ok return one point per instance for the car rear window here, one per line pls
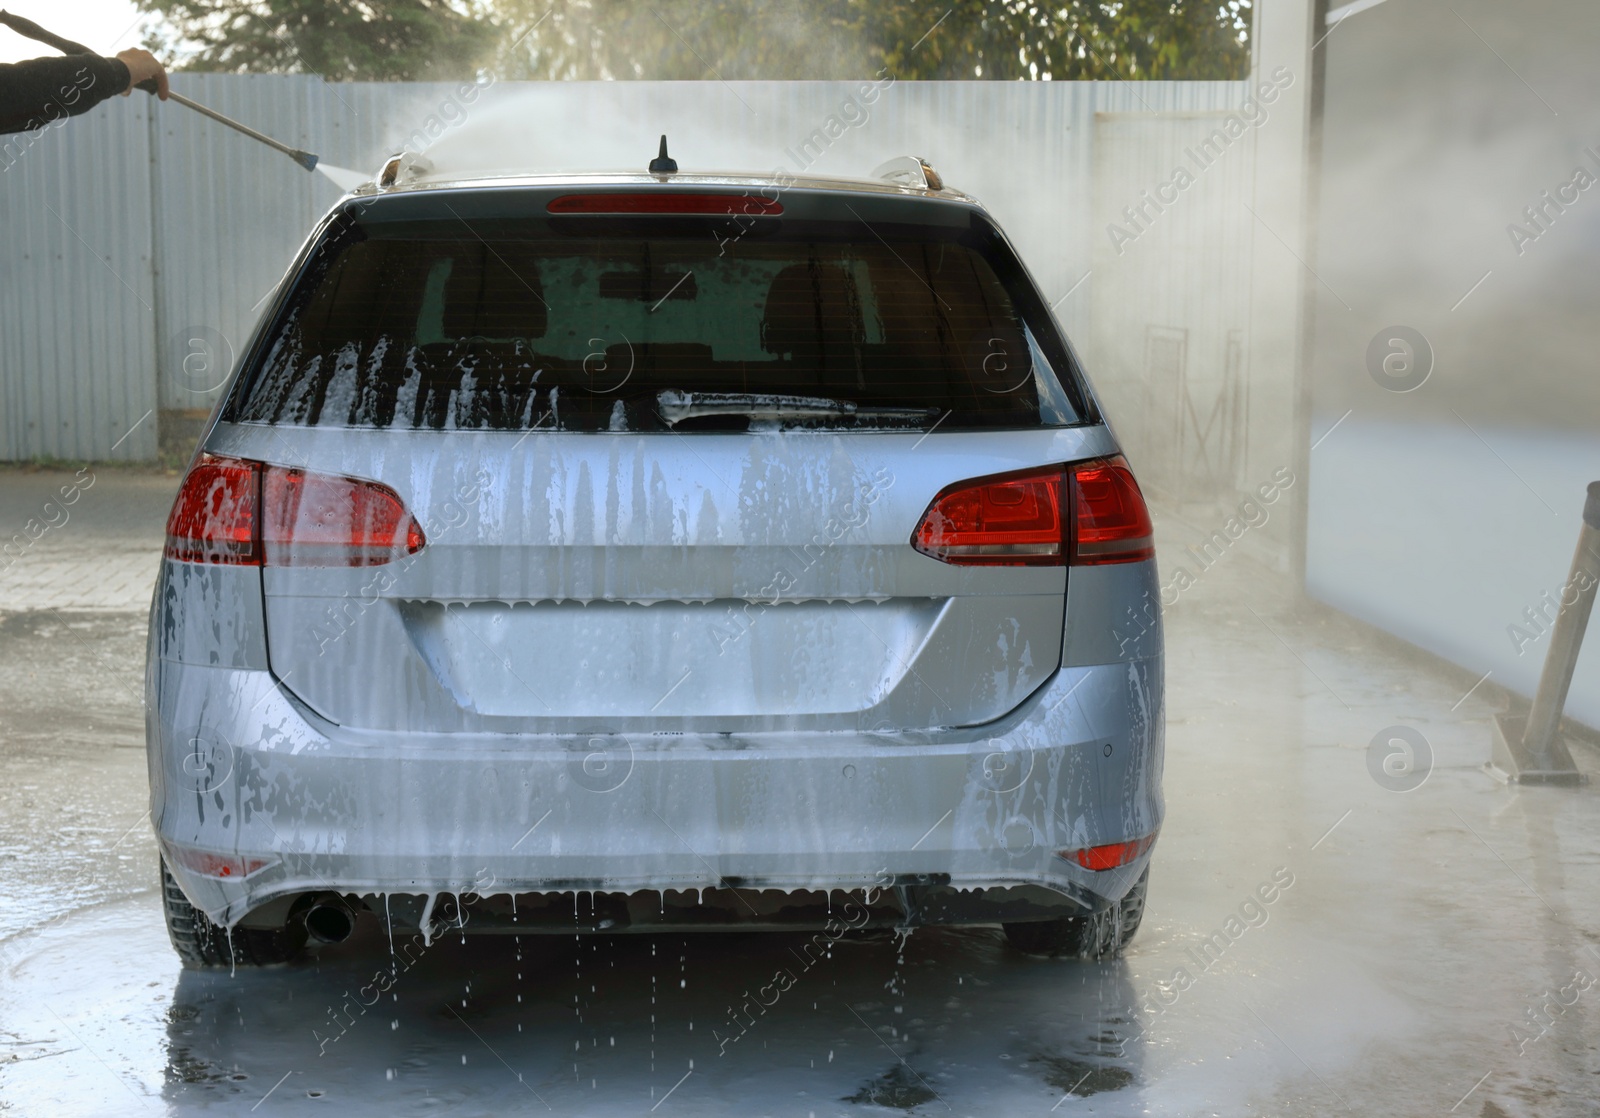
(651, 323)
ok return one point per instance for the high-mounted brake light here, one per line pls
(1111, 856)
(666, 203)
(241, 512)
(1083, 514)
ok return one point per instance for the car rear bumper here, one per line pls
(241, 771)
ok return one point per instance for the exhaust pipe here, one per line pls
(329, 923)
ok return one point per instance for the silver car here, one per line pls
(655, 551)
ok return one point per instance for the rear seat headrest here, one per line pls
(812, 308)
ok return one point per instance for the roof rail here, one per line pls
(403, 165)
(910, 170)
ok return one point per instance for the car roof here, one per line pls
(445, 181)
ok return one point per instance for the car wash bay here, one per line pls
(1323, 936)
(1318, 938)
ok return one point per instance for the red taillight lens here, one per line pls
(1111, 856)
(215, 517)
(1110, 523)
(313, 520)
(665, 202)
(1080, 515)
(233, 510)
(1009, 520)
(207, 864)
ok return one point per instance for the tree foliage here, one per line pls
(1076, 40)
(340, 40)
(709, 39)
(1009, 39)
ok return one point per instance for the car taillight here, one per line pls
(1113, 855)
(1008, 520)
(314, 520)
(207, 864)
(237, 511)
(1110, 523)
(1079, 515)
(214, 519)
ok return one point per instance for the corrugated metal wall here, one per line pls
(138, 243)
(77, 290)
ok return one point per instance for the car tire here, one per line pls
(1102, 935)
(201, 943)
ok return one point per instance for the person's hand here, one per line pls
(142, 66)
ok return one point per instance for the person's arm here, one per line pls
(44, 90)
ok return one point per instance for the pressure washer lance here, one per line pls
(66, 46)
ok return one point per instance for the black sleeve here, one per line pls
(43, 90)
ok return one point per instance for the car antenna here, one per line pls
(663, 164)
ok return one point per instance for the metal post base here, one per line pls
(1514, 763)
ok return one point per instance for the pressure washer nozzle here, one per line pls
(305, 159)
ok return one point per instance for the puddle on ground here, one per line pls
(899, 1087)
(183, 1066)
(1082, 1078)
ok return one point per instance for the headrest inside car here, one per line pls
(812, 308)
(495, 294)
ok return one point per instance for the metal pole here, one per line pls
(1299, 509)
(1577, 600)
(304, 158)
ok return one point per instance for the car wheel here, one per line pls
(1100, 936)
(200, 943)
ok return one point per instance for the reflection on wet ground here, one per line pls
(582, 1025)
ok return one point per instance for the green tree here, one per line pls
(1075, 40)
(684, 39)
(707, 39)
(952, 39)
(367, 40)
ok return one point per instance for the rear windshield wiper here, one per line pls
(675, 406)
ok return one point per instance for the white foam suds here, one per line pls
(388, 922)
(427, 919)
